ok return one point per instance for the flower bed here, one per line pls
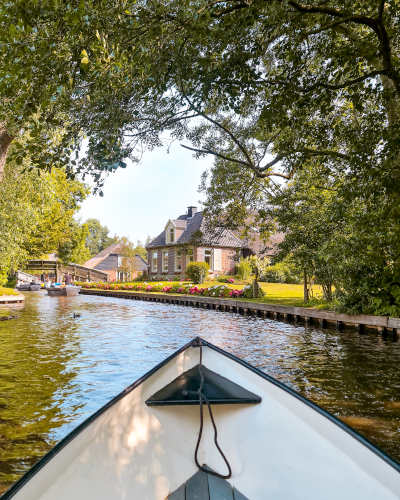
(217, 291)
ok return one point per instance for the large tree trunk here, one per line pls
(5, 141)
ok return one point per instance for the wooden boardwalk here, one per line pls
(382, 323)
(76, 270)
(12, 299)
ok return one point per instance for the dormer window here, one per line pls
(171, 235)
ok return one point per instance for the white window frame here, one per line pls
(210, 255)
(154, 258)
(189, 256)
(164, 254)
(178, 254)
(217, 259)
(171, 231)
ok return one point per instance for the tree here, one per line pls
(97, 238)
(36, 214)
(140, 68)
(45, 88)
(140, 248)
(73, 248)
(128, 263)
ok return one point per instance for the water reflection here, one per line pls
(56, 370)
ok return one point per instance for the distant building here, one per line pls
(109, 260)
(173, 249)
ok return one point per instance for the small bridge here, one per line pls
(27, 278)
(77, 271)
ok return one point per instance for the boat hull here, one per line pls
(67, 291)
(28, 288)
(283, 448)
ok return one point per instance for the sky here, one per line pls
(139, 200)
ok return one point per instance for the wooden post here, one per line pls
(305, 287)
(255, 284)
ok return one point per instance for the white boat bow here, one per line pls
(141, 445)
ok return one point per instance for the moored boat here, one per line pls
(157, 439)
(62, 291)
(29, 287)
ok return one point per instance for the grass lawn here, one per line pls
(7, 291)
(277, 293)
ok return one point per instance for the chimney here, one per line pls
(191, 211)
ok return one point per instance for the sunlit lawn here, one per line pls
(277, 293)
(7, 291)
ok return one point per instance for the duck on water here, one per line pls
(206, 425)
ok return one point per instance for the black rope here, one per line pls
(203, 397)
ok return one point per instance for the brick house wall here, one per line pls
(227, 261)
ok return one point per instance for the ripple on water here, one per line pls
(57, 370)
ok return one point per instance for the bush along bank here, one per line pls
(180, 288)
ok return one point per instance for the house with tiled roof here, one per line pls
(178, 244)
(109, 260)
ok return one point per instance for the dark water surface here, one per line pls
(55, 370)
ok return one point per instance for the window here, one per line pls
(178, 261)
(189, 256)
(171, 235)
(208, 257)
(217, 259)
(154, 262)
(165, 261)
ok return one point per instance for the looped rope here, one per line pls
(203, 397)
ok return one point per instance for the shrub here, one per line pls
(261, 264)
(248, 292)
(11, 281)
(197, 271)
(282, 272)
(144, 275)
(222, 278)
(244, 270)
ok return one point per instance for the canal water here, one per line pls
(56, 370)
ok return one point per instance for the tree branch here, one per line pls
(271, 163)
(327, 26)
(257, 171)
(323, 152)
(210, 152)
(243, 150)
(381, 10)
(305, 90)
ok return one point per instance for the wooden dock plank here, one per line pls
(179, 494)
(197, 487)
(238, 496)
(219, 489)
